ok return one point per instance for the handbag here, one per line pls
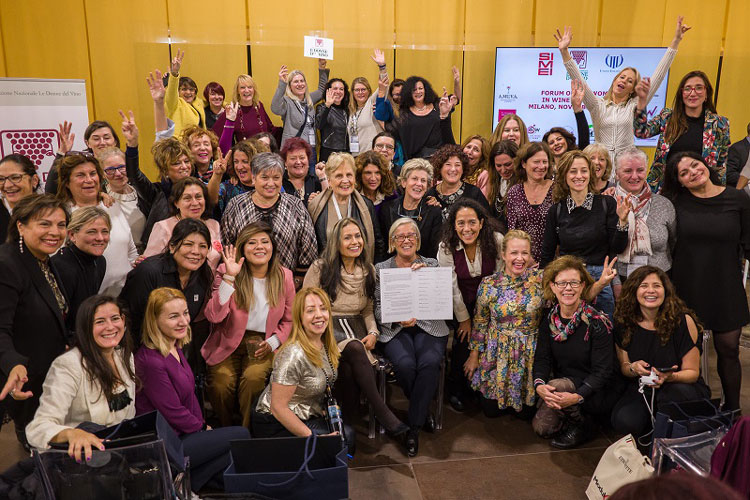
(349, 327)
(687, 418)
(293, 468)
(621, 464)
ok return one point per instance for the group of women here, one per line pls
(573, 271)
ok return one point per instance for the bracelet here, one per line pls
(630, 367)
(323, 179)
(622, 227)
(381, 67)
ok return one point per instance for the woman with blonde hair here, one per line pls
(601, 163)
(362, 125)
(612, 116)
(293, 102)
(477, 149)
(342, 200)
(250, 309)
(304, 371)
(244, 117)
(168, 386)
(511, 127)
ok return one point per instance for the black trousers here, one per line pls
(416, 357)
(209, 454)
(458, 385)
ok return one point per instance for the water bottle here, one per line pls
(333, 410)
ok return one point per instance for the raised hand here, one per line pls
(624, 207)
(65, 141)
(564, 39)
(576, 95)
(456, 74)
(283, 73)
(681, 29)
(322, 63)
(643, 87)
(155, 82)
(383, 83)
(129, 128)
(320, 170)
(231, 110)
(446, 105)
(329, 98)
(379, 57)
(177, 62)
(229, 256)
(220, 164)
(609, 272)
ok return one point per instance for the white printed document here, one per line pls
(425, 294)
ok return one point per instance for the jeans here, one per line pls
(209, 454)
(605, 301)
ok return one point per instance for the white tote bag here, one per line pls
(621, 464)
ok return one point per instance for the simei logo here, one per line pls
(545, 63)
(580, 57)
(615, 61)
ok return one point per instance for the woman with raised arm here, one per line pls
(362, 125)
(244, 117)
(424, 123)
(691, 125)
(295, 104)
(331, 118)
(183, 104)
(612, 115)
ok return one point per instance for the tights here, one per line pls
(727, 345)
(355, 374)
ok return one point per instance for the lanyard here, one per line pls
(338, 211)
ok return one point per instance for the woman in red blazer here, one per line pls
(251, 312)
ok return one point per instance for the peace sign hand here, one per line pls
(220, 165)
(129, 128)
(177, 62)
(231, 110)
(609, 272)
(156, 85)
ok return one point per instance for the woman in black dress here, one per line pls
(450, 164)
(713, 234)
(654, 331)
(424, 119)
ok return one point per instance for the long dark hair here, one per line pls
(677, 123)
(330, 269)
(345, 100)
(95, 364)
(486, 238)
(182, 230)
(671, 312)
(570, 139)
(504, 147)
(407, 101)
(672, 186)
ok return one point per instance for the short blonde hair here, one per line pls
(84, 215)
(152, 336)
(514, 234)
(248, 80)
(336, 160)
(397, 224)
(600, 150)
(416, 164)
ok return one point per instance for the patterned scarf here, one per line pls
(560, 331)
(639, 238)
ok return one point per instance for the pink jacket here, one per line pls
(229, 322)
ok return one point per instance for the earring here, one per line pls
(20, 244)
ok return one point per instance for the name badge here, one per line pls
(195, 298)
(311, 138)
(353, 144)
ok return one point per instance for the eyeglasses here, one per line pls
(13, 178)
(359, 91)
(110, 171)
(402, 237)
(699, 89)
(562, 285)
(387, 147)
(86, 154)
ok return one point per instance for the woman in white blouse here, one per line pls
(92, 382)
(612, 115)
(362, 126)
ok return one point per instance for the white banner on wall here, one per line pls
(30, 112)
(534, 84)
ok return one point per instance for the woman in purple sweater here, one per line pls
(167, 385)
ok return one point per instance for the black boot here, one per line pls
(412, 442)
(573, 434)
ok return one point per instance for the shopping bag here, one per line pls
(289, 468)
(621, 464)
(687, 418)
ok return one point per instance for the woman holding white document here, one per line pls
(415, 347)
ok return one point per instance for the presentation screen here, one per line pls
(534, 84)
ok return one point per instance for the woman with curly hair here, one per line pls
(374, 179)
(450, 164)
(655, 334)
(560, 141)
(424, 119)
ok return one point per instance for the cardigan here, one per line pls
(613, 127)
(436, 328)
(168, 386)
(367, 125)
(162, 233)
(715, 143)
(290, 112)
(70, 398)
(229, 321)
(182, 113)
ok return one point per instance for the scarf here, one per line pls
(639, 239)
(560, 331)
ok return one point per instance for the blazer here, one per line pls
(70, 398)
(161, 233)
(32, 327)
(229, 321)
(715, 143)
(736, 159)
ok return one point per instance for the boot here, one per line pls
(575, 431)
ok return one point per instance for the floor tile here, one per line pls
(395, 482)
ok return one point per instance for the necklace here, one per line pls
(418, 216)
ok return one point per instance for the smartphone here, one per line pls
(667, 369)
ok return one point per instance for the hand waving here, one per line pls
(329, 98)
(564, 39)
(624, 207)
(379, 57)
(65, 142)
(177, 62)
(446, 105)
(229, 256)
(576, 95)
(283, 73)
(155, 82)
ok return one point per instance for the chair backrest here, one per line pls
(137, 472)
